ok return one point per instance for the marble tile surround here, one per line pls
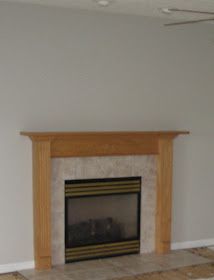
(103, 167)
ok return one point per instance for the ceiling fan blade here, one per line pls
(190, 11)
(188, 22)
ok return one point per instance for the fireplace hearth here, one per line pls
(102, 217)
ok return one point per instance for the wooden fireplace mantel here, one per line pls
(47, 145)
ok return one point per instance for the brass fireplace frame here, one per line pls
(87, 188)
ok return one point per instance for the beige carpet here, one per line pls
(11, 276)
(204, 271)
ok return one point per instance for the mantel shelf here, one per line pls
(68, 134)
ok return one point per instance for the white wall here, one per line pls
(64, 70)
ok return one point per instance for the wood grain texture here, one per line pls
(164, 195)
(42, 204)
(104, 145)
(83, 144)
(65, 134)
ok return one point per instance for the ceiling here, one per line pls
(135, 7)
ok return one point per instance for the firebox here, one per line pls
(102, 218)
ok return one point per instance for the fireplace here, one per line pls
(48, 145)
(102, 217)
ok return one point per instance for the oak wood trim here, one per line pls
(42, 204)
(67, 134)
(164, 195)
(82, 144)
(104, 145)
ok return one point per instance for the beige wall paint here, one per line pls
(64, 70)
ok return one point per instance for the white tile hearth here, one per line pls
(118, 267)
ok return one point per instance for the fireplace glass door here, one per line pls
(102, 217)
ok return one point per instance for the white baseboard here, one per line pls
(11, 267)
(192, 244)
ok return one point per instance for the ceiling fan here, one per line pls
(170, 10)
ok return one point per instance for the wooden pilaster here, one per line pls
(164, 194)
(42, 205)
